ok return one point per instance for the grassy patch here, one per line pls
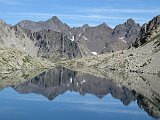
(26, 59)
(25, 76)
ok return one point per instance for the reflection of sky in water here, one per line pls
(14, 106)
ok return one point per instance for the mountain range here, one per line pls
(142, 57)
(101, 38)
(54, 40)
(46, 38)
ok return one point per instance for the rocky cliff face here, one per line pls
(147, 32)
(123, 36)
(127, 31)
(53, 39)
(94, 38)
(16, 38)
(54, 45)
(102, 38)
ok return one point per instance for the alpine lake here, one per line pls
(64, 94)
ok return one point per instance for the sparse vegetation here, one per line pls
(26, 59)
(12, 59)
(159, 74)
(25, 76)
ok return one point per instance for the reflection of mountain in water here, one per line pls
(57, 81)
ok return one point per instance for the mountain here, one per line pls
(9, 37)
(123, 36)
(17, 51)
(127, 31)
(97, 39)
(52, 24)
(144, 59)
(53, 39)
(147, 32)
(94, 38)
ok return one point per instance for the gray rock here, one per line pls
(53, 39)
(94, 38)
(146, 31)
(123, 36)
(52, 24)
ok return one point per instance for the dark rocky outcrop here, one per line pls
(151, 107)
(128, 31)
(147, 31)
(94, 38)
(53, 39)
(54, 45)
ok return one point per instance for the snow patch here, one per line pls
(85, 38)
(83, 81)
(80, 34)
(71, 80)
(72, 38)
(94, 53)
(70, 33)
(77, 83)
(122, 38)
(124, 41)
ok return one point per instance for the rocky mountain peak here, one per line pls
(3, 23)
(128, 30)
(130, 22)
(147, 31)
(25, 23)
(104, 25)
(57, 25)
(55, 20)
(85, 26)
(153, 23)
(122, 36)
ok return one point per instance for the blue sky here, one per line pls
(79, 12)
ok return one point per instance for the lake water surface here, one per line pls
(63, 94)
